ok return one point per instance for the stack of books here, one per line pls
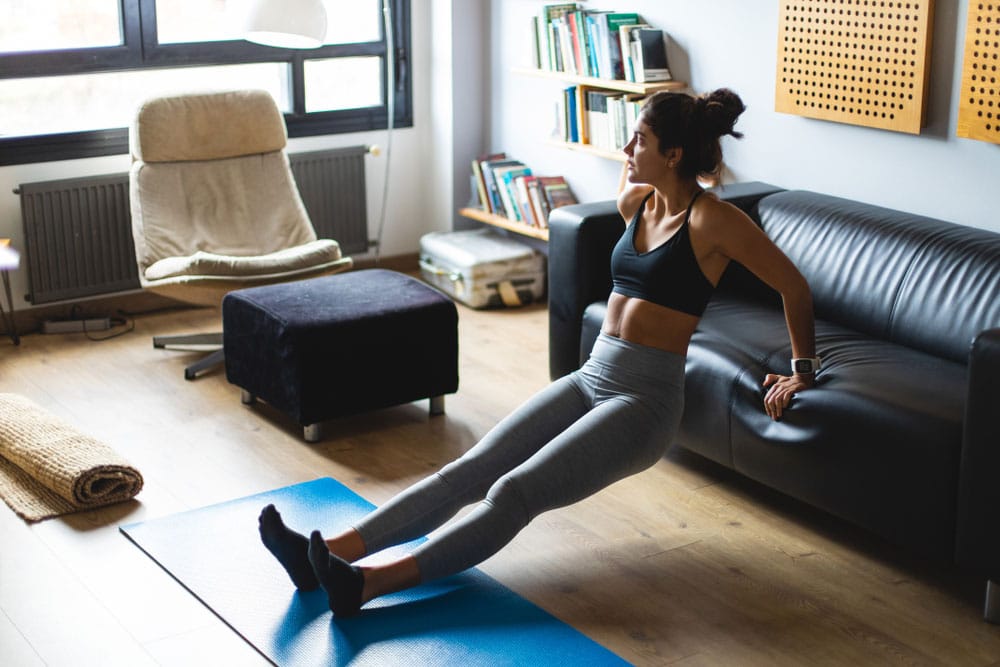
(601, 118)
(599, 43)
(506, 187)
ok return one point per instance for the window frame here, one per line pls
(141, 50)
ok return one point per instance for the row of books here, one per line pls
(506, 187)
(602, 118)
(599, 43)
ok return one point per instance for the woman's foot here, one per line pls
(343, 582)
(290, 548)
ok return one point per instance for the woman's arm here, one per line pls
(630, 198)
(737, 238)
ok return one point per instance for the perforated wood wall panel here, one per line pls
(864, 62)
(979, 105)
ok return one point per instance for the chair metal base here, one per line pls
(991, 610)
(204, 342)
(437, 406)
(201, 341)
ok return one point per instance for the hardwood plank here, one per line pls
(16, 649)
(58, 617)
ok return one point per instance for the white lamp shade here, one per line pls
(294, 24)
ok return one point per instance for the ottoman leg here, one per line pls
(437, 405)
(311, 432)
(246, 398)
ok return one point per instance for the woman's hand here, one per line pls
(782, 389)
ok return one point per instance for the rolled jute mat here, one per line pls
(49, 468)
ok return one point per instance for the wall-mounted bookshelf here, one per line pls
(607, 84)
(505, 223)
(590, 150)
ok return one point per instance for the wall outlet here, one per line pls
(75, 326)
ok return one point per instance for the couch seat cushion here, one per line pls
(885, 421)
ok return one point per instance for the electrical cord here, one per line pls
(390, 103)
(115, 322)
(75, 314)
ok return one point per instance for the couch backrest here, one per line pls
(921, 282)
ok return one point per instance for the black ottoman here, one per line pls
(338, 345)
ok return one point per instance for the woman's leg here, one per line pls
(429, 503)
(616, 439)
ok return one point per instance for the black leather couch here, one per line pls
(902, 433)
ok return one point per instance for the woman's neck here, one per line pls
(674, 195)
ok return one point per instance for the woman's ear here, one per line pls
(673, 156)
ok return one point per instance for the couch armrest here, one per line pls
(745, 195)
(977, 541)
(581, 238)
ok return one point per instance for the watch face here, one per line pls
(803, 366)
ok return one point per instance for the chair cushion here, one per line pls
(210, 264)
(243, 206)
(207, 126)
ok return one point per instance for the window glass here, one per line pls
(52, 25)
(52, 105)
(343, 83)
(174, 22)
(347, 22)
(353, 22)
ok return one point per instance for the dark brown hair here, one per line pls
(694, 124)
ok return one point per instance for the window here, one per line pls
(73, 71)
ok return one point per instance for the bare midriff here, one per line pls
(646, 323)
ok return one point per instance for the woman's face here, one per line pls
(645, 163)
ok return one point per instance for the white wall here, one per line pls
(733, 43)
(415, 204)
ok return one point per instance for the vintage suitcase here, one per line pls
(482, 268)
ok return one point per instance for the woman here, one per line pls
(612, 418)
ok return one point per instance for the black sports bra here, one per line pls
(668, 275)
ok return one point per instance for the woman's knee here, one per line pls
(507, 498)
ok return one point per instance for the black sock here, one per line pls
(290, 548)
(342, 581)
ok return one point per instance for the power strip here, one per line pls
(76, 326)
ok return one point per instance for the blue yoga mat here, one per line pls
(469, 619)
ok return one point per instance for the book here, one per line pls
(597, 118)
(492, 186)
(579, 106)
(556, 191)
(569, 104)
(550, 51)
(613, 48)
(538, 203)
(650, 57)
(625, 43)
(480, 181)
(577, 37)
(504, 177)
(538, 61)
(523, 200)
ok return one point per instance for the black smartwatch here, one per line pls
(806, 365)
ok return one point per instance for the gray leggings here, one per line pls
(612, 418)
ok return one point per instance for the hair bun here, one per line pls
(719, 111)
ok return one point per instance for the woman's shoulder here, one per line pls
(631, 199)
(714, 216)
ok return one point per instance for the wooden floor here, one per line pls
(685, 564)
